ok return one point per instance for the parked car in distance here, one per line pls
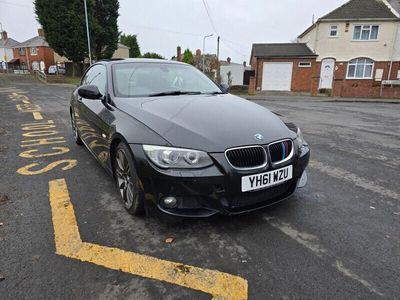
(173, 138)
(61, 70)
(53, 70)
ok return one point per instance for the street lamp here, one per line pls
(4, 56)
(204, 45)
(87, 32)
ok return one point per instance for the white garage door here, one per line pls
(277, 76)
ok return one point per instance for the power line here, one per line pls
(239, 45)
(209, 16)
(233, 48)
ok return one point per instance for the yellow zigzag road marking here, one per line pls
(68, 243)
(37, 115)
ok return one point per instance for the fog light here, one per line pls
(303, 180)
(170, 202)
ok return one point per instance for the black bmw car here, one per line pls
(173, 138)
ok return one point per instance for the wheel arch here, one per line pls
(115, 141)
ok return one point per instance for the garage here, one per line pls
(277, 76)
(282, 67)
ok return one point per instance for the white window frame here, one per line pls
(356, 62)
(33, 52)
(304, 64)
(331, 29)
(365, 27)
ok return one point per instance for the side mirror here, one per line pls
(225, 87)
(89, 92)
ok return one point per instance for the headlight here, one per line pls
(176, 158)
(300, 139)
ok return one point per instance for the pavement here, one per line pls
(279, 96)
(337, 238)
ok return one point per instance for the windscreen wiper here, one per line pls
(173, 93)
(217, 93)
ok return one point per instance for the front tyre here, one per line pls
(127, 180)
(77, 138)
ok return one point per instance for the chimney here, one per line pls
(178, 53)
(40, 32)
(4, 35)
(244, 64)
(198, 52)
(228, 60)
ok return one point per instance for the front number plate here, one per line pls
(263, 180)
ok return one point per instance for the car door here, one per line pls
(95, 118)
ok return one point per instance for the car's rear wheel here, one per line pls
(127, 180)
(77, 138)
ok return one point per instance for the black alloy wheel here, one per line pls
(77, 138)
(127, 180)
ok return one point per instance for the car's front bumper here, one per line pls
(216, 189)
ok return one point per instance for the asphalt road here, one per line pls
(337, 238)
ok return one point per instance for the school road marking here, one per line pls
(68, 243)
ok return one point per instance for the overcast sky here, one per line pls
(161, 25)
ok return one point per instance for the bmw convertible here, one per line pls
(173, 139)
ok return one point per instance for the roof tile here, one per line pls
(282, 50)
(361, 9)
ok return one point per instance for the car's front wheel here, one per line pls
(77, 138)
(127, 180)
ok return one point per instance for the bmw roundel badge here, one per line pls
(259, 136)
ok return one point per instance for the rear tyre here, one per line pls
(77, 138)
(127, 180)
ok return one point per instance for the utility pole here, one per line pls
(204, 46)
(87, 32)
(219, 66)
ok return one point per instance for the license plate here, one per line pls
(263, 180)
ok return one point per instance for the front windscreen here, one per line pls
(150, 79)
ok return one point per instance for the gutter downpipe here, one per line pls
(393, 47)
(27, 57)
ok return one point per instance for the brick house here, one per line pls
(282, 67)
(358, 47)
(6, 52)
(35, 53)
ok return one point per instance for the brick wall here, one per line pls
(359, 88)
(301, 77)
(252, 85)
(307, 79)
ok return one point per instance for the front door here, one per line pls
(327, 69)
(94, 118)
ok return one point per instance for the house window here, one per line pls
(33, 51)
(304, 64)
(21, 51)
(360, 68)
(334, 31)
(365, 32)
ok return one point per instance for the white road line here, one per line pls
(312, 243)
(365, 153)
(355, 179)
